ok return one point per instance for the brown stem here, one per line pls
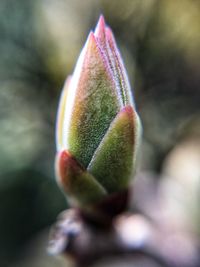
(128, 235)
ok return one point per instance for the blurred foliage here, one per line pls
(39, 44)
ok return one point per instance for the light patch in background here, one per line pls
(21, 127)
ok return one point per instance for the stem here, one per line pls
(87, 242)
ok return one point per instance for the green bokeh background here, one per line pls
(39, 44)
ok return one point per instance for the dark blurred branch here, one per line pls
(129, 235)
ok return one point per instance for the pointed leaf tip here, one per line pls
(100, 28)
(101, 22)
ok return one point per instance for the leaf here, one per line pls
(120, 71)
(61, 114)
(80, 186)
(113, 161)
(92, 104)
(109, 47)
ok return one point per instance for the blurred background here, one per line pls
(39, 44)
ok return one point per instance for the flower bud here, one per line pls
(98, 129)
